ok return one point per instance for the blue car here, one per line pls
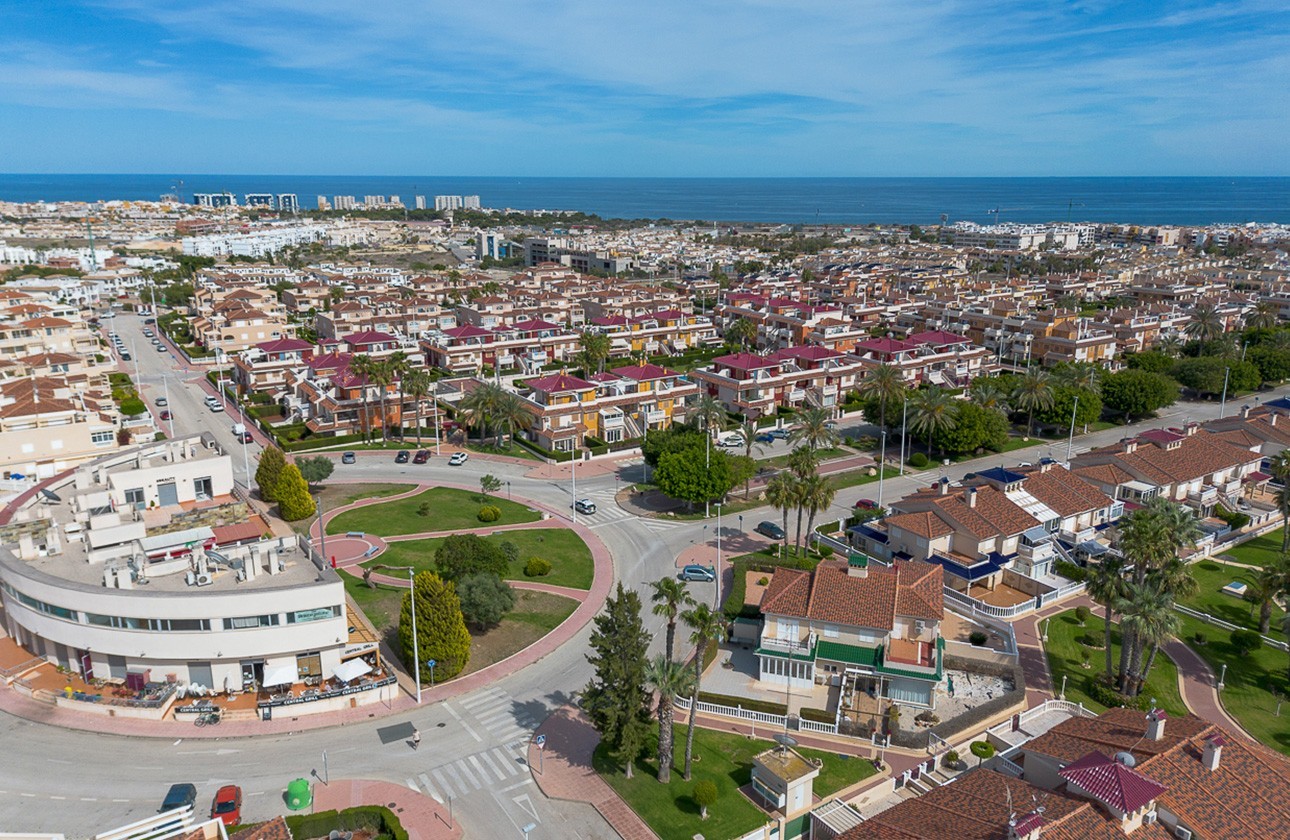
(699, 573)
(765, 437)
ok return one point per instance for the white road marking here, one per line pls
(429, 788)
(465, 771)
(443, 782)
(496, 770)
(457, 716)
(518, 785)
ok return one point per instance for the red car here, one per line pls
(227, 806)
(166, 415)
(866, 504)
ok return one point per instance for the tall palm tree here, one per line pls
(594, 351)
(510, 412)
(1283, 504)
(814, 429)
(817, 495)
(669, 679)
(709, 413)
(1265, 316)
(707, 626)
(1106, 586)
(932, 411)
(383, 376)
(749, 431)
(363, 366)
(397, 364)
(781, 493)
(670, 597)
(1269, 583)
(1153, 621)
(417, 385)
(886, 384)
(1034, 393)
(988, 393)
(1171, 345)
(476, 408)
(742, 332)
(1206, 324)
(1080, 376)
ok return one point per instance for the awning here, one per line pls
(1256, 477)
(280, 675)
(351, 670)
(1093, 549)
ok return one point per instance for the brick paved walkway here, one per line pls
(1198, 687)
(421, 816)
(567, 773)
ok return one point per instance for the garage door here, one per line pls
(167, 494)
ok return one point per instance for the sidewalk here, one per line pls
(1198, 687)
(564, 771)
(421, 816)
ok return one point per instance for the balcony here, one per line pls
(788, 647)
(658, 415)
(1204, 496)
(1034, 554)
(611, 418)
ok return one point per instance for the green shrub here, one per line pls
(132, 406)
(982, 749)
(489, 513)
(537, 567)
(1081, 615)
(817, 715)
(978, 638)
(371, 818)
(424, 509)
(705, 796)
(918, 460)
(1070, 570)
(1246, 641)
(952, 757)
(1199, 638)
(1109, 697)
(766, 706)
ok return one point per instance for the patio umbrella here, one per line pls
(351, 670)
(280, 675)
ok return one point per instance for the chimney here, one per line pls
(1190, 428)
(858, 565)
(1156, 724)
(1245, 412)
(944, 486)
(1213, 752)
(971, 497)
(1130, 445)
(1273, 420)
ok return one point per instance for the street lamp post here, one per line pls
(717, 581)
(322, 532)
(904, 428)
(573, 478)
(165, 384)
(1062, 696)
(1044, 637)
(1222, 406)
(416, 642)
(882, 464)
(1221, 674)
(1070, 441)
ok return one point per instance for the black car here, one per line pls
(423, 455)
(401, 457)
(179, 796)
(770, 529)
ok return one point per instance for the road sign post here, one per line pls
(540, 741)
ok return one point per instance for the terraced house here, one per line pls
(874, 627)
(759, 386)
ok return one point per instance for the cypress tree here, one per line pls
(294, 501)
(269, 471)
(617, 699)
(441, 628)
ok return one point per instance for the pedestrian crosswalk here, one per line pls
(489, 769)
(500, 716)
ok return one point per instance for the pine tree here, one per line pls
(441, 628)
(269, 471)
(292, 493)
(617, 699)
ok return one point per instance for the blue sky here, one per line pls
(664, 87)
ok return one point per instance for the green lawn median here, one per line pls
(569, 556)
(436, 509)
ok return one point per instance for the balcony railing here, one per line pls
(797, 646)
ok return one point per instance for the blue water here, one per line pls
(1143, 201)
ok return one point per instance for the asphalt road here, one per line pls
(77, 783)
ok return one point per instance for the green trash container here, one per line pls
(300, 795)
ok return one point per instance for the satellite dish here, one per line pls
(786, 741)
(50, 495)
(1126, 758)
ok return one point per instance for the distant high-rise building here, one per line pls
(470, 202)
(394, 199)
(224, 199)
(490, 244)
(447, 202)
(287, 203)
(259, 200)
(344, 202)
(421, 202)
(373, 200)
(323, 203)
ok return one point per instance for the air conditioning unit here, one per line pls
(1149, 818)
(204, 580)
(1182, 833)
(920, 626)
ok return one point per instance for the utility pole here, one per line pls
(416, 642)
(717, 580)
(882, 465)
(1070, 441)
(1222, 406)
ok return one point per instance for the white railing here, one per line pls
(1071, 588)
(732, 711)
(1004, 765)
(815, 726)
(1227, 625)
(981, 608)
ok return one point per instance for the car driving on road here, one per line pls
(457, 459)
(699, 573)
(402, 457)
(770, 529)
(348, 458)
(585, 506)
(422, 456)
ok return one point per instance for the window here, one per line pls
(248, 622)
(319, 614)
(830, 632)
(135, 498)
(102, 438)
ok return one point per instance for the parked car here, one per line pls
(166, 415)
(770, 529)
(402, 457)
(764, 437)
(457, 459)
(866, 504)
(161, 348)
(423, 455)
(699, 573)
(730, 439)
(147, 333)
(584, 506)
(162, 401)
(179, 796)
(150, 320)
(215, 406)
(348, 458)
(125, 357)
(779, 434)
(227, 806)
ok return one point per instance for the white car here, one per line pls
(457, 459)
(215, 407)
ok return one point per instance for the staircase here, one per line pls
(45, 696)
(633, 428)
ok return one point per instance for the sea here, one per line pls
(834, 201)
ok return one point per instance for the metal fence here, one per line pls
(1227, 625)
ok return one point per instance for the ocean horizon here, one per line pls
(823, 200)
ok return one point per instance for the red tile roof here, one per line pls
(912, 589)
(744, 361)
(645, 373)
(1119, 786)
(558, 383)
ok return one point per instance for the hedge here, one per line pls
(1109, 697)
(817, 715)
(748, 703)
(373, 818)
(974, 717)
(545, 453)
(1070, 570)
(271, 410)
(320, 442)
(734, 606)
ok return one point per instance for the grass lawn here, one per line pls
(535, 615)
(1259, 551)
(1249, 683)
(510, 450)
(381, 605)
(854, 478)
(450, 509)
(724, 759)
(338, 495)
(781, 461)
(1212, 577)
(571, 563)
(737, 504)
(1064, 659)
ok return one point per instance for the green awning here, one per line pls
(848, 654)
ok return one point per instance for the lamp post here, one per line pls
(904, 428)
(1221, 674)
(882, 464)
(573, 478)
(322, 532)
(1062, 696)
(508, 490)
(1044, 637)
(1070, 441)
(716, 601)
(165, 384)
(1222, 406)
(416, 642)
(326, 774)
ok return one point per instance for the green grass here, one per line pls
(380, 605)
(822, 455)
(1260, 551)
(571, 563)
(1248, 684)
(737, 504)
(1211, 577)
(726, 761)
(510, 451)
(1064, 659)
(855, 478)
(450, 509)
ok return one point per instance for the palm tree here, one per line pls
(417, 384)
(1154, 622)
(817, 494)
(669, 679)
(741, 332)
(1280, 466)
(362, 366)
(988, 393)
(1268, 585)
(932, 411)
(1170, 345)
(781, 493)
(1206, 324)
(1283, 504)
(476, 408)
(709, 412)
(1106, 586)
(886, 384)
(814, 429)
(383, 372)
(1265, 316)
(1034, 393)
(398, 368)
(707, 626)
(749, 431)
(1081, 376)
(670, 596)
(510, 412)
(594, 351)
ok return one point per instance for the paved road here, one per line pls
(78, 783)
